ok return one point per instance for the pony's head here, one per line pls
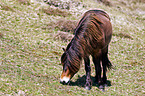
(67, 73)
(70, 68)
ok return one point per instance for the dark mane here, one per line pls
(88, 36)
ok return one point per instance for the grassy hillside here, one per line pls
(32, 36)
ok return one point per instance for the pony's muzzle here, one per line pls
(65, 80)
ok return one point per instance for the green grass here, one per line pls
(30, 56)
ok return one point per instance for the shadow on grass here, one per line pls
(82, 80)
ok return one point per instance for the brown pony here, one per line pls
(92, 36)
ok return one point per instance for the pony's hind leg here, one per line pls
(96, 60)
(88, 84)
(105, 63)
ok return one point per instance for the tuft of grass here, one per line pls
(6, 7)
(106, 2)
(67, 25)
(1, 35)
(64, 36)
(123, 35)
(55, 12)
(24, 2)
(64, 25)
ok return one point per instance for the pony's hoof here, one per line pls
(105, 85)
(88, 88)
(101, 87)
(102, 90)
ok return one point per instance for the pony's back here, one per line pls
(94, 30)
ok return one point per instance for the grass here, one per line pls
(30, 54)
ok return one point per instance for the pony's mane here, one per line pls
(88, 36)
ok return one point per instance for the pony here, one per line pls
(92, 37)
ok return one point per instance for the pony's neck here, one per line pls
(74, 58)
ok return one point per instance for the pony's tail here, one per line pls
(108, 65)
(106, 62)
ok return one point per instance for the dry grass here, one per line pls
(1, 35)
(122, 35)
(106, 2)
(55, 12)
(64, 25)
(67, 25)
(137, 1)
(25, 2)
(6, 7)
(64, 36)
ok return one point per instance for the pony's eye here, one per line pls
(62, 62)
(65, 68)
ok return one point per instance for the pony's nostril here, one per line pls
(62, 82)
(65, 83)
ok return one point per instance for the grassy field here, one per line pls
(30, 48)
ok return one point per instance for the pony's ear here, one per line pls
(64, 49)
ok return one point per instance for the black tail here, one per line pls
(108, 64)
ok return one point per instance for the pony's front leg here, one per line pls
(88, 84)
